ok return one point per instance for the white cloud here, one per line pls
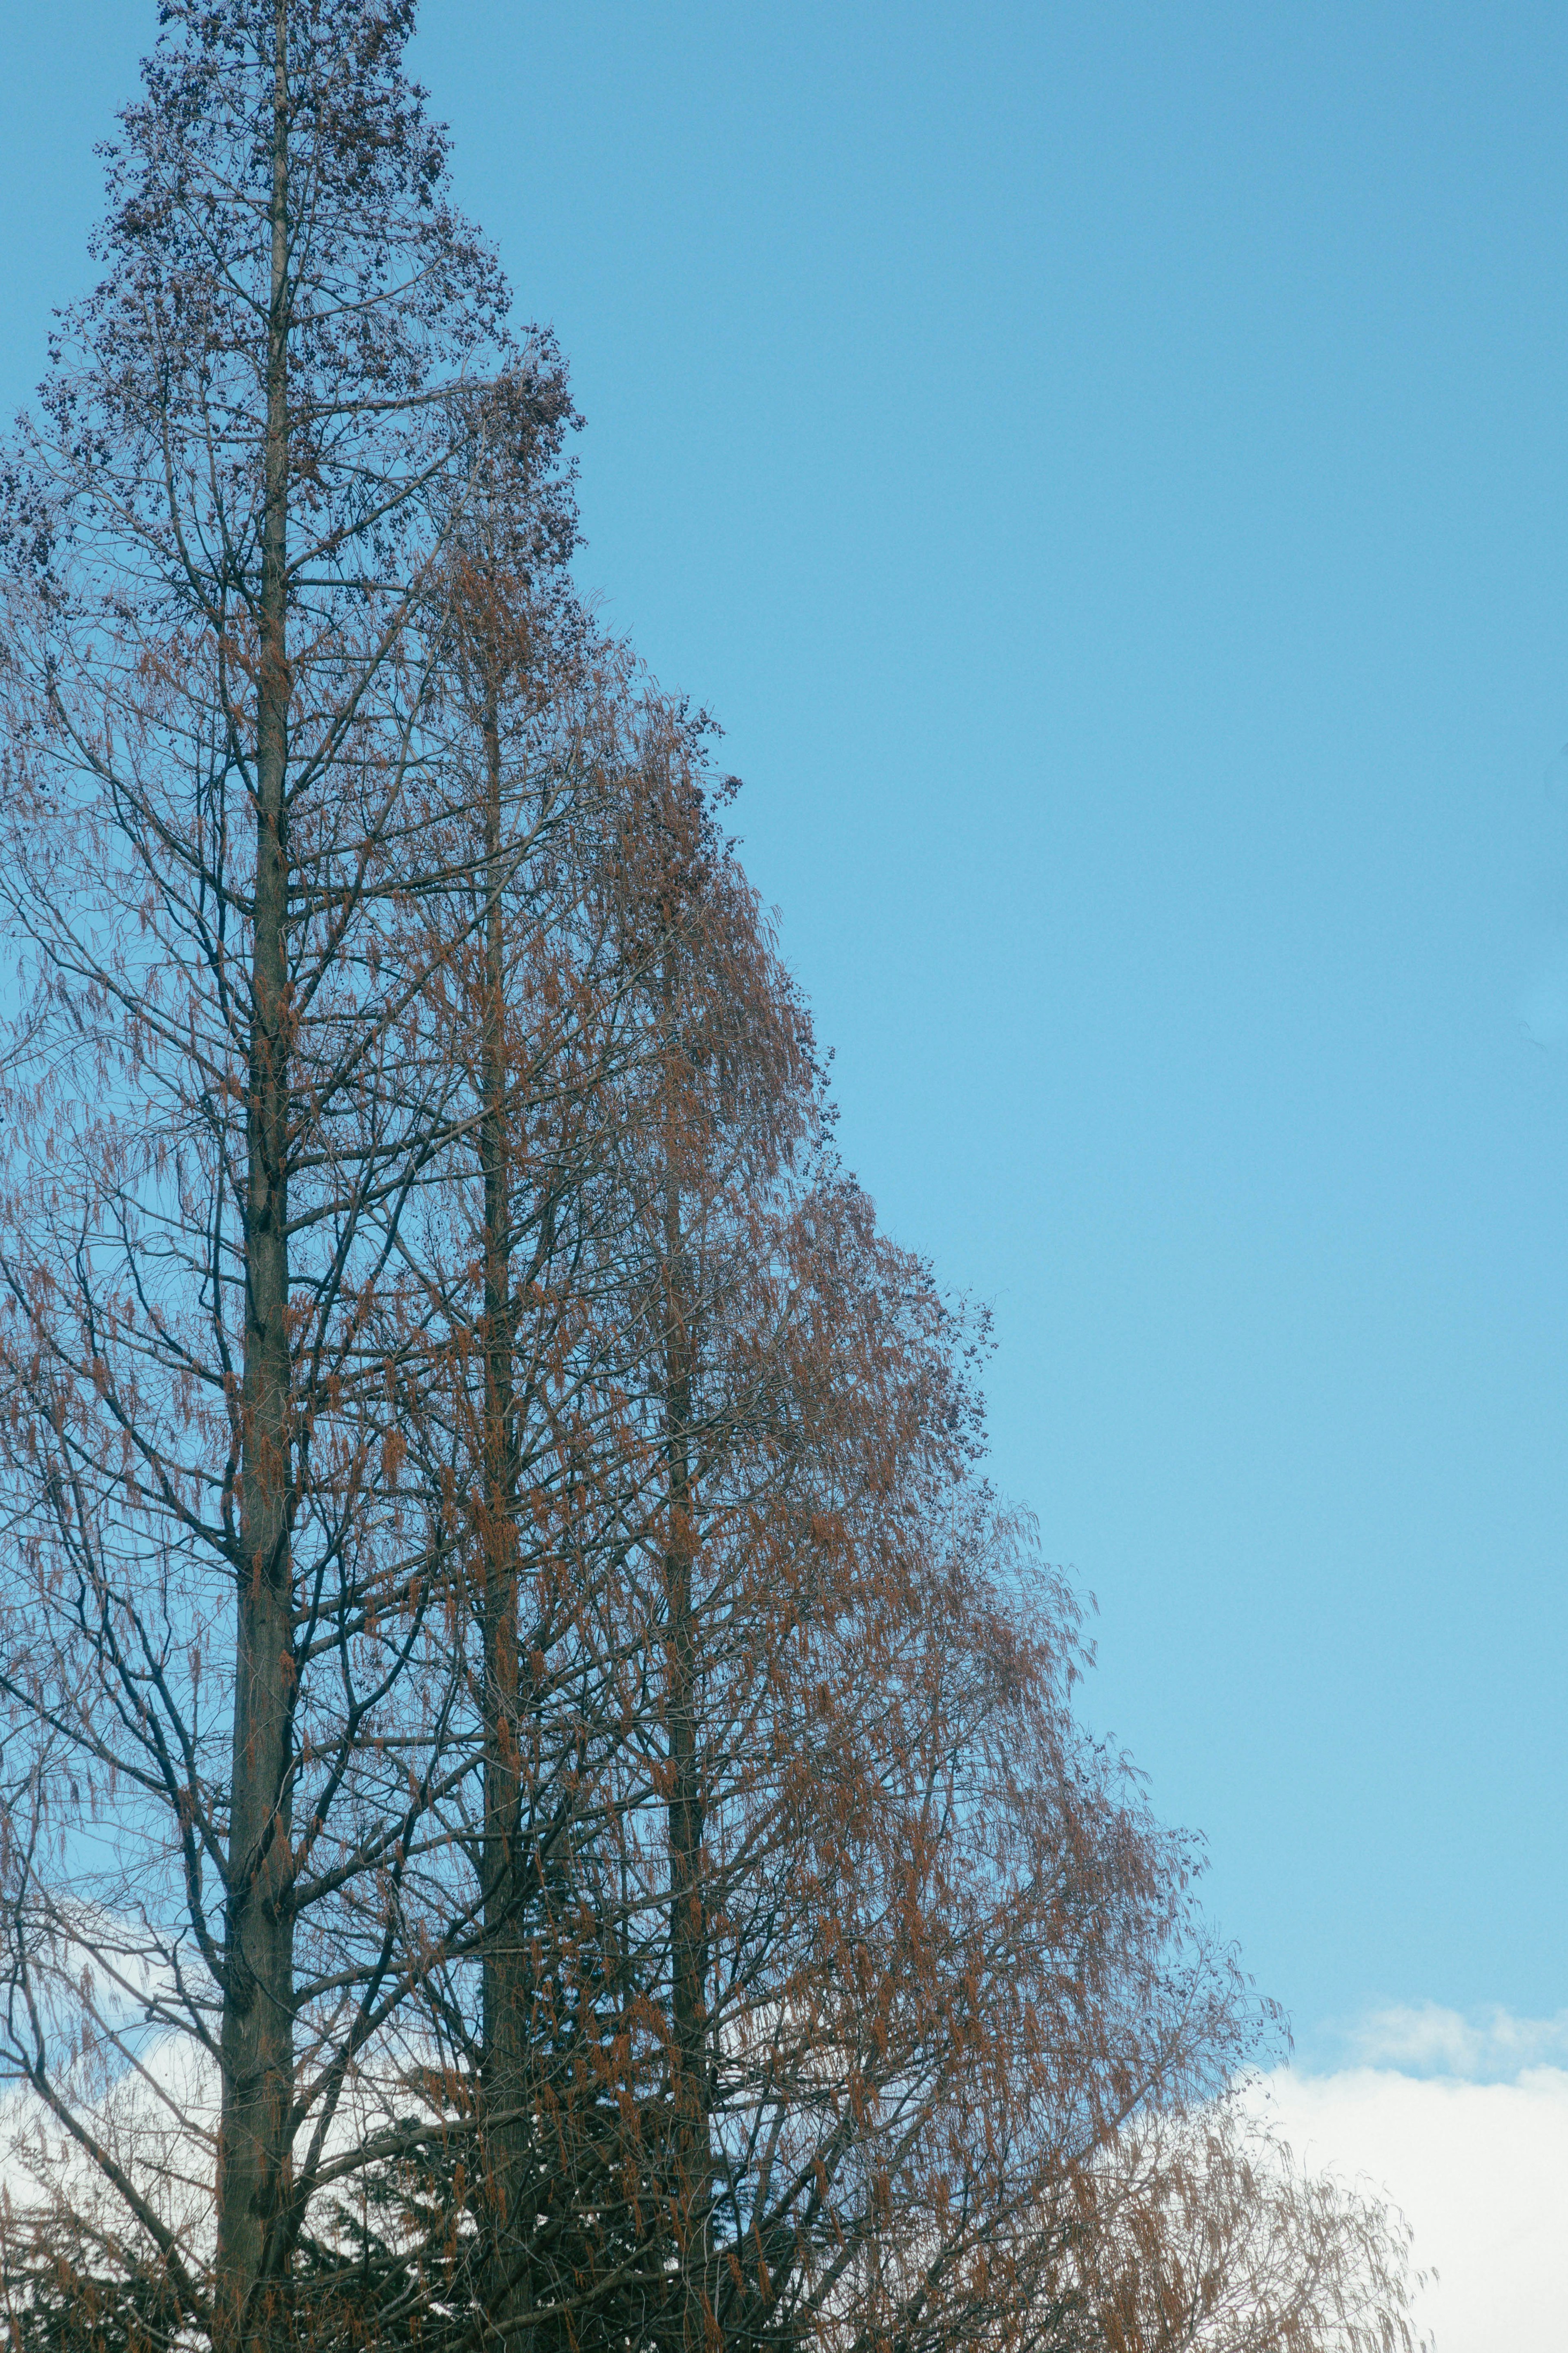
(1480, 2170)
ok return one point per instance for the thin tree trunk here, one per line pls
(256, 2031)
(687, 1911)
(506, 2086)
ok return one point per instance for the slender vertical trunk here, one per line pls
(506, 2086)
(687, 1909)
(257, 2029)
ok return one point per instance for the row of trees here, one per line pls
(541, 1805)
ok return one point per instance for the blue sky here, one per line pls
(1107, 467)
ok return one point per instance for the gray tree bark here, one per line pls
(257, 2035)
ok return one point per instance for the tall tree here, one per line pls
(899, 1957)
(227, 857)
(519, 1427)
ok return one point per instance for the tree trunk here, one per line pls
(256, 2031)
(688, 1910)
(506, 2085)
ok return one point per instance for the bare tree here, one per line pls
(227, 859)
(522, 1423)
(894, 1955)
(837, 1969)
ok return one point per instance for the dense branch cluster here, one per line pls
(541, 1803)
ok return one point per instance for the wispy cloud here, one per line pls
(1486, 2046)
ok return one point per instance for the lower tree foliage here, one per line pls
(1209, 2235)
(541, 1803)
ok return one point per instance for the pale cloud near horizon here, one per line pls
(1476, 2157)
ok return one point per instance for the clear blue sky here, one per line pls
(1108, 466)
